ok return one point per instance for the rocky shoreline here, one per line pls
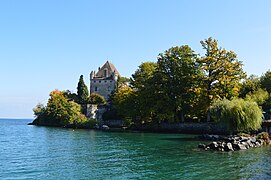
(233, 143)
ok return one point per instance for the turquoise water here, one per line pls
(30, 152)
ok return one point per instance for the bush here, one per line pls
(238, 114)
(265, 137)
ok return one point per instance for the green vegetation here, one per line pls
(96, 99)
(237, 114)
(181, 86)
(82, 91)
(184, 86)
(59, 112)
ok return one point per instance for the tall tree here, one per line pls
(82, 91)
(249, 85)
(266, 81)
(223, 72)
(178, 72)
(266, 84)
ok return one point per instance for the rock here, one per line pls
(213, 145)
(105, 127)
(250, 144)
(202, 146)
(241, 147)
(228, 147)
(243, 139)
(253, 139)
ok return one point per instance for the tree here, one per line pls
(222, 70)
(259, 96)
(39, 110)
(96, 99)
(123, 102)
(266, 81)
(237, 114)
(266, 84)
(82, 91)
(61, 112)
(178, 72)
(249, 85)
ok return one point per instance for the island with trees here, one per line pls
(181, 91)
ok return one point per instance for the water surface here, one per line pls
(30, 152)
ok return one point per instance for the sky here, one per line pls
(48, 44)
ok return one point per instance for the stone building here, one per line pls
(105, 80)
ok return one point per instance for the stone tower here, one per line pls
(105, 80)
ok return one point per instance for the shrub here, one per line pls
(237, 114)
(265, 137)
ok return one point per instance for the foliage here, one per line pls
(123, 101)
(140, 79)
(178, 71)
(243, 134)
(259, 96)
(222, 71)
(266, 84)
(237, 114)
(264, 136)
(90, 124)
(82, 91)
(96, 99)
(39, 110)
(59, 111)
(70, 96)
(266, 81)
(249, 85)
(123, 81)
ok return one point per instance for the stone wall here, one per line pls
(102, 87)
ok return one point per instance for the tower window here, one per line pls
(96, 89)
(105, 73)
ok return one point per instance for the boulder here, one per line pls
(213, 145)
(202, 146)
(228, 147)
(241, 146)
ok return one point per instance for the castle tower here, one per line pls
(105, 80)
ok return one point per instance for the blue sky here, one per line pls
(48, 44)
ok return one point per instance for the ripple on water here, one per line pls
(29, 152)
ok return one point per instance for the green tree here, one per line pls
(237, 114)
(266, 81)
(82, 91)
(60, 112)
(259, 96)
(178, 73)
(266, 84)
(223, 72)
(123, 102)
(39, 110)
(249, 85)
(148, 102)
(96, 99)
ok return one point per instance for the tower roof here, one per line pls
(110, 69)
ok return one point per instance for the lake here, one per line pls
(30, 152)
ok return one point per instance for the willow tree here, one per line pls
(238, 114)
(223, 72)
